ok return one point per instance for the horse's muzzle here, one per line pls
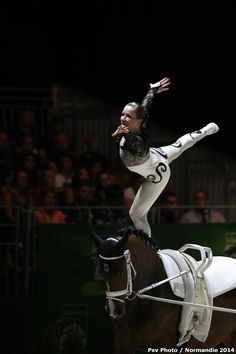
(115, 309)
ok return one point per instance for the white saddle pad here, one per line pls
(221, 275)
(172, 269)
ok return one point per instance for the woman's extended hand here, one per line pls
(121, 129)
(162, 85)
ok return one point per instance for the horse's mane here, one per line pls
(130, 230)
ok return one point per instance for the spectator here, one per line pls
(96, 170)
(92, 154)
(65, 173)
(30, 164)
(115, 196)
(80, 196)
(202, 213)
(18, 195)
(131, 190)
(25, 126)
(84, 198)
(100, 193)
(108, 193)
(52, 166)
(80, 177)
(58, 126)
(170, 213)
(62, 145)
(47, 183)
(8, 182)
(49, 214)
(7, 185)
(7, 159)
(27, 146)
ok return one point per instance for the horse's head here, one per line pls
(117, 271)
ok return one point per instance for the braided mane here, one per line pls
(130, 230)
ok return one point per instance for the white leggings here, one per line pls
(156, 171)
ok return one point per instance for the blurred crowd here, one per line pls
(64, 185)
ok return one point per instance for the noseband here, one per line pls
(114, 295)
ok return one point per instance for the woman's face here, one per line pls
(49, 178)
(83, 175)
(49, 199)
(29, 163)
(22, 179)
(129, 119)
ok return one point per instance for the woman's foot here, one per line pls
(210, 128)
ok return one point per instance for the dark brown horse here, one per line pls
(129, 262)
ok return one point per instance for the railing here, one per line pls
(18, 245)
(16, 259)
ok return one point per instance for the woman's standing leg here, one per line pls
(143, 201)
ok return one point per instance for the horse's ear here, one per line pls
(95, 238)
(120, 246)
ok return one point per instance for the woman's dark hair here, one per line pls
(140, 110)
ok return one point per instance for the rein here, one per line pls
(177, 302)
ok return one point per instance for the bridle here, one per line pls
(128, 291)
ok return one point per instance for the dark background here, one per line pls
(113, 49)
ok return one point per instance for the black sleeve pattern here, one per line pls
(137, 144)
(148, 99)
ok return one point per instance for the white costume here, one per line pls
(154, 167)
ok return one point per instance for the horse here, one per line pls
(130, 261)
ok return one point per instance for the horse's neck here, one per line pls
(157, 271)
(147, 263)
